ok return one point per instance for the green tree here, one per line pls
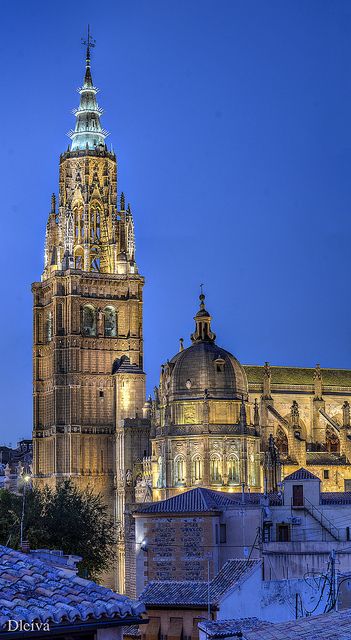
(76, 522)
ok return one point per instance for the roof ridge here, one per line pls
(301, 474)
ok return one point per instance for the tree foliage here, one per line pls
(76, 522)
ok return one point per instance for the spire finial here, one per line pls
(89, 43)
(202, 297)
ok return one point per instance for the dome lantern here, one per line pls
(203, 332)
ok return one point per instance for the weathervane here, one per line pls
(89, 42)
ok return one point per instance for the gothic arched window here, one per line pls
(110, 322)
(179, 470)
(233, 470)
(281, 442)
(78, 258)
(95, 215)
(216, 469)
(197, 468)
(78, 212)
(89, 320)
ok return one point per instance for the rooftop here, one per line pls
(327, 626)
(230, 628)
(184, 593)
(298, 376)
(31, 590)
(200, 500)
(300, 474)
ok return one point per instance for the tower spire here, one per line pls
(89, 43)
(88, 133)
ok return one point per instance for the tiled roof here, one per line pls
(324, 458)
(31, 590)
(199, 500)
(230, 628)
(185, 593)
(124, 365)
(298, 376)
(327, 626)
(301, 474)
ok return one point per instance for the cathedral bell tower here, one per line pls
(87, 312)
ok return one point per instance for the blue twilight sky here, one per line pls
(232, 124)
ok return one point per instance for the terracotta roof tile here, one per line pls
(328, 626)
(199, 500)
(301, 474)
(186, 592)
(33, 590)
(298, 376)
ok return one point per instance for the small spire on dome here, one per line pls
(202, 319)
(181, 344)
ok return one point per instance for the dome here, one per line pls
(204, 368)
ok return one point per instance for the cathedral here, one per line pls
(213, 422)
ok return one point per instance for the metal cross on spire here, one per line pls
(89, 42)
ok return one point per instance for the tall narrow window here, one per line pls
(197, 469)
(110, 322)
(89, 321)
(179, 470)
(78, 224)
(95, 215)
(233, 470)
(215, 469)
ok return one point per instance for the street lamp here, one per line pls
(26, 479)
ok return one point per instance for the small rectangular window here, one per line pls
(326, 474)
(283, 532)
(222, 533)
(101, 394)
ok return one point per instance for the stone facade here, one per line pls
(307, 411)
(88, 342)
